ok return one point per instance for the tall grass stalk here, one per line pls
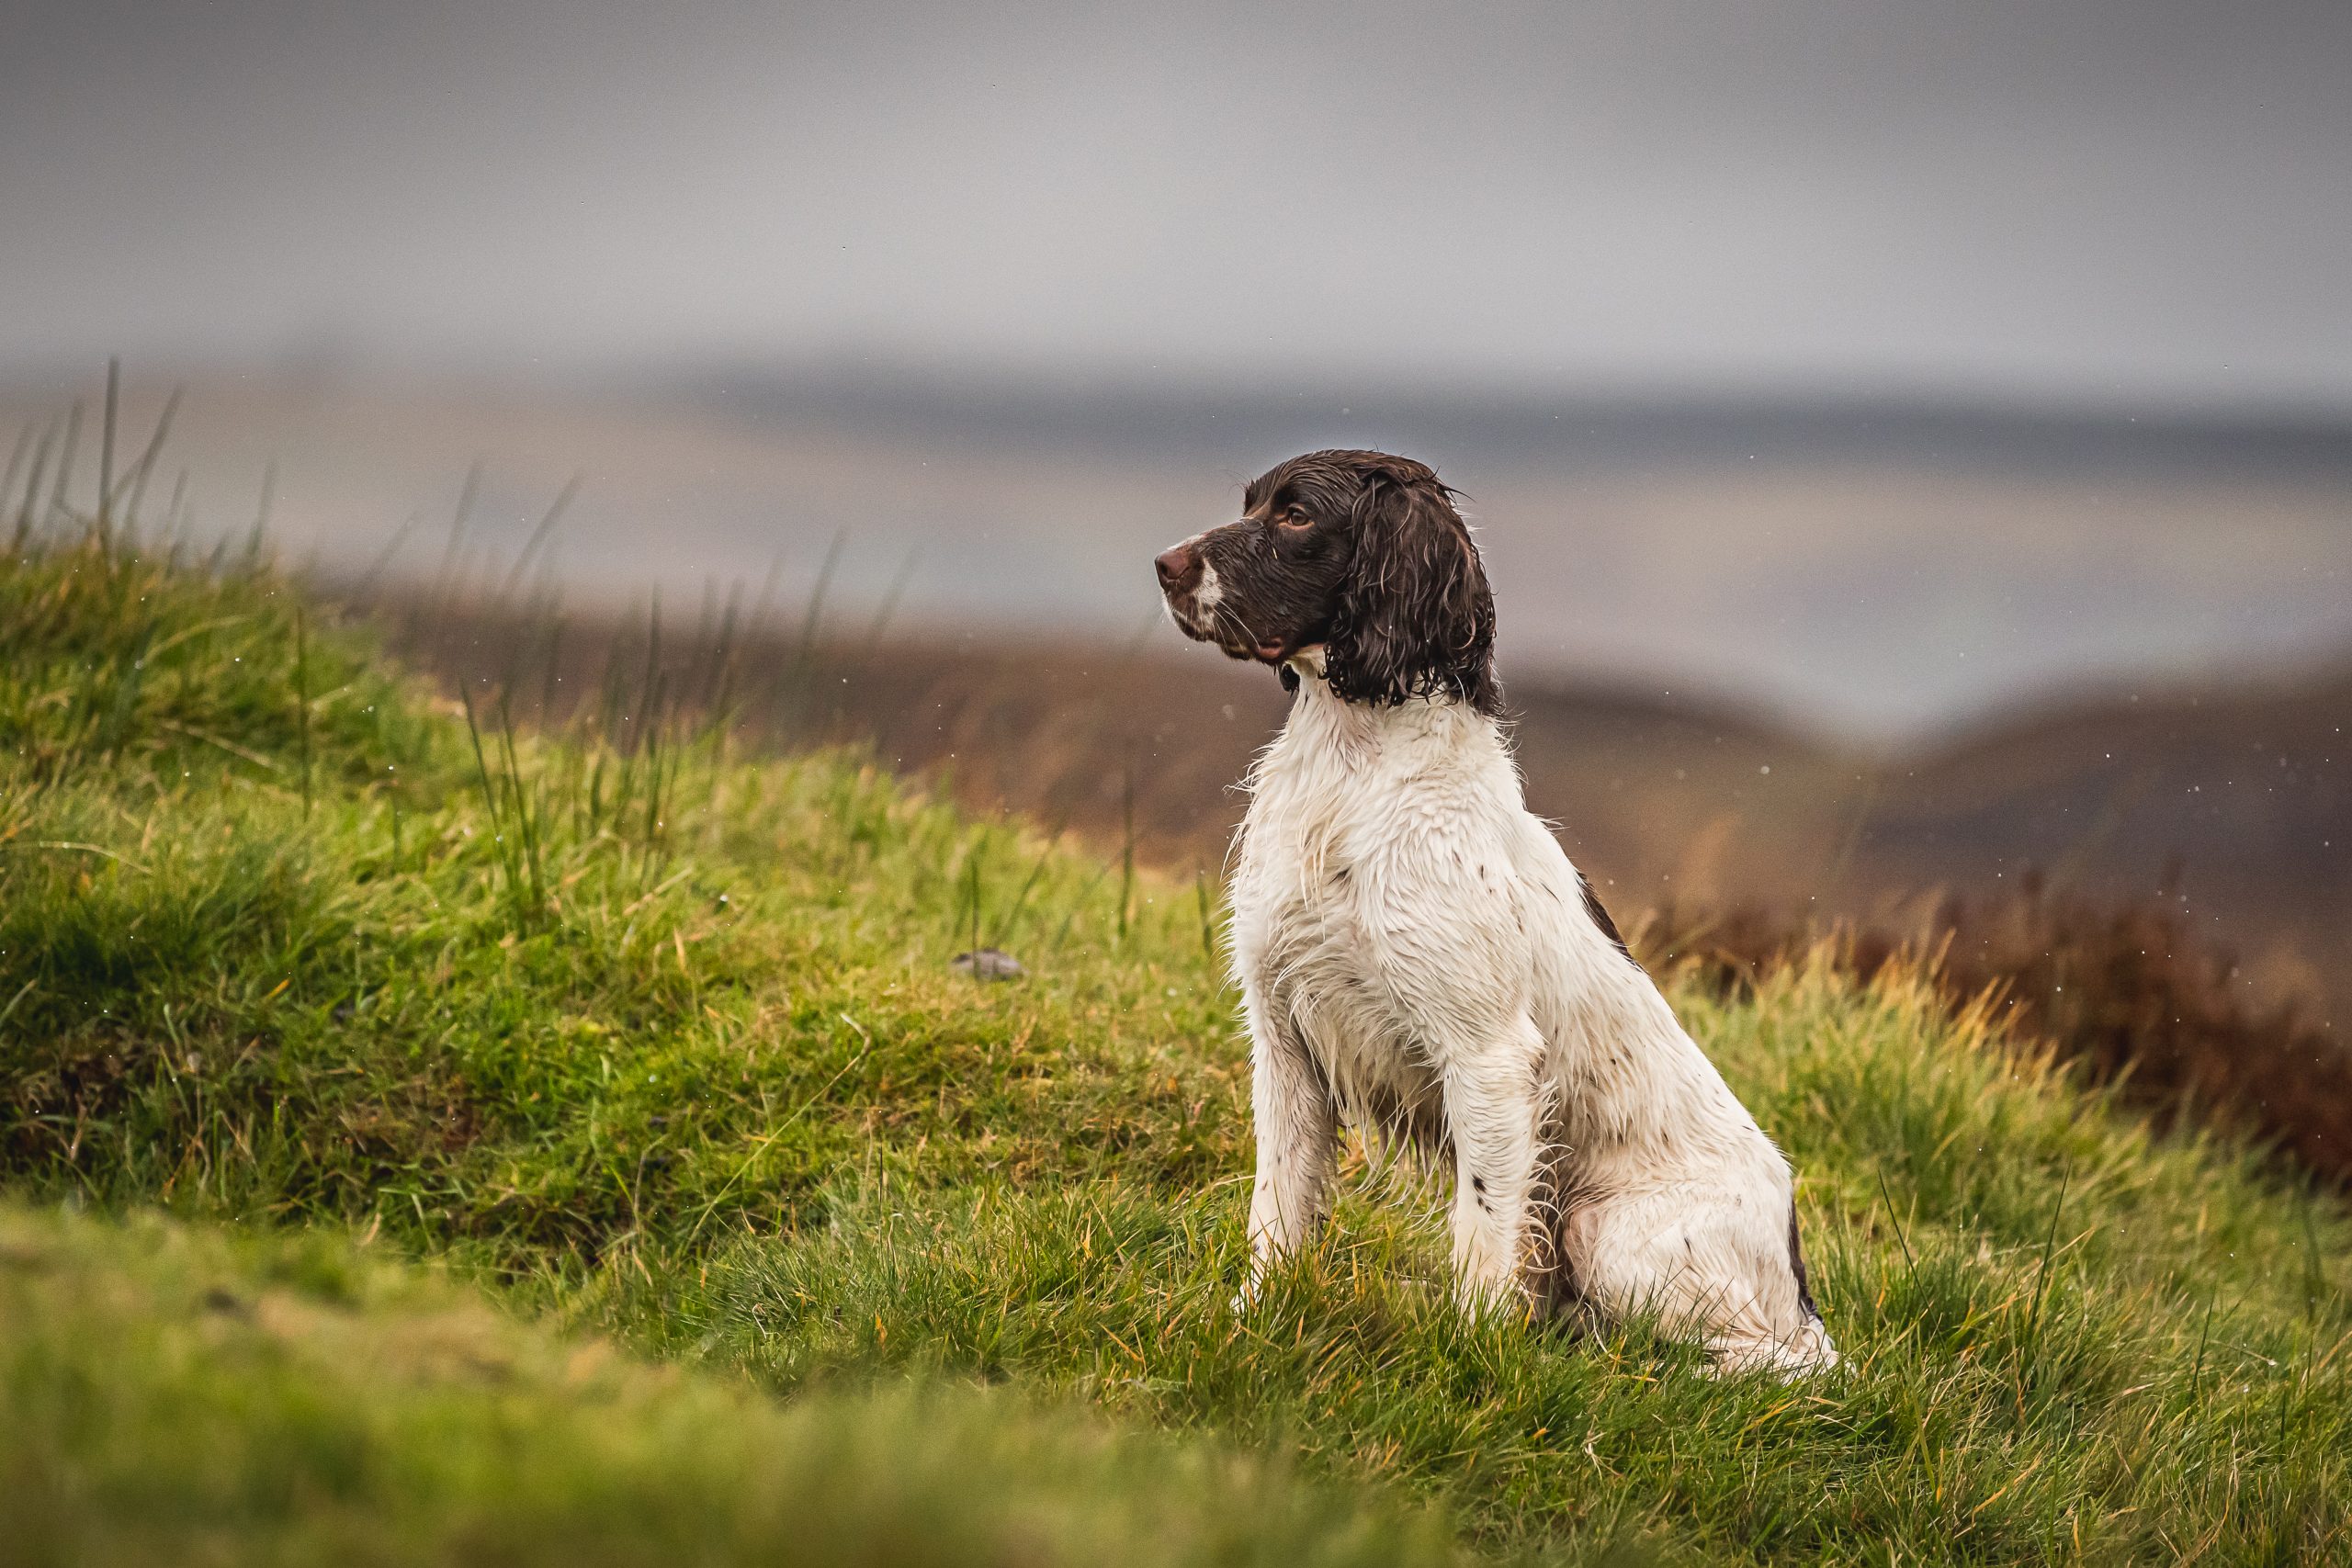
(1126, 841)
(302, 706)
(546, 527)
(141, 470)
(1207, 912)
(105, 518)
(16, 453)
(1003, 935)
(66, 454)
(26, 517)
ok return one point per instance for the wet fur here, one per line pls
(1419, 960)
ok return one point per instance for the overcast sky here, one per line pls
(2115, 201)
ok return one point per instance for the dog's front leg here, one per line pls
(1493, 1111)
(1298, 1132)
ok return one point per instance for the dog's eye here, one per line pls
(1292, 517)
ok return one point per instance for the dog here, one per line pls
(1420, 963)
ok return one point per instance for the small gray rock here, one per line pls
(987, 964)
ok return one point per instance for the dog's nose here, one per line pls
(1180, 568)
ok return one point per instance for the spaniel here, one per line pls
(1420, 961)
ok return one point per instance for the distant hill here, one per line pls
(2234, 802)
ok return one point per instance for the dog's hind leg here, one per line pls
(1494, 1111)
(1298, 1132)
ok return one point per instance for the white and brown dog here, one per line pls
(1420, 961)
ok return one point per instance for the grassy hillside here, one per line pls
(177, 1397)
(664, 1044)
(2167, 910)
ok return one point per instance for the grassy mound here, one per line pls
(280, 939)
(667, 1043)
(177, 1397)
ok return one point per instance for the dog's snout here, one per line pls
(1180, 568)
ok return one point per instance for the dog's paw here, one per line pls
(1807, 1353)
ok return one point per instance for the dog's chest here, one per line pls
(1310, 906)
(1306, 947)
(1304, 911)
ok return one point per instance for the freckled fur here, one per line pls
(1418, 959)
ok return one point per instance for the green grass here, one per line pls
(654, 1043)
(178, 1397)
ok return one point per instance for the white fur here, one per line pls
(1417, 961)
(1207, 591)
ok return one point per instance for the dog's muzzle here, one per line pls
(1183, 572)
(1179, 570)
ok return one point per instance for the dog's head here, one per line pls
(1359, 553)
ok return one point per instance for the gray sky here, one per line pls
(2115, 201)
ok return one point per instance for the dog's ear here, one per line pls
(1415, 616)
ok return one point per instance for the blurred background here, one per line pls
(1912, 446)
